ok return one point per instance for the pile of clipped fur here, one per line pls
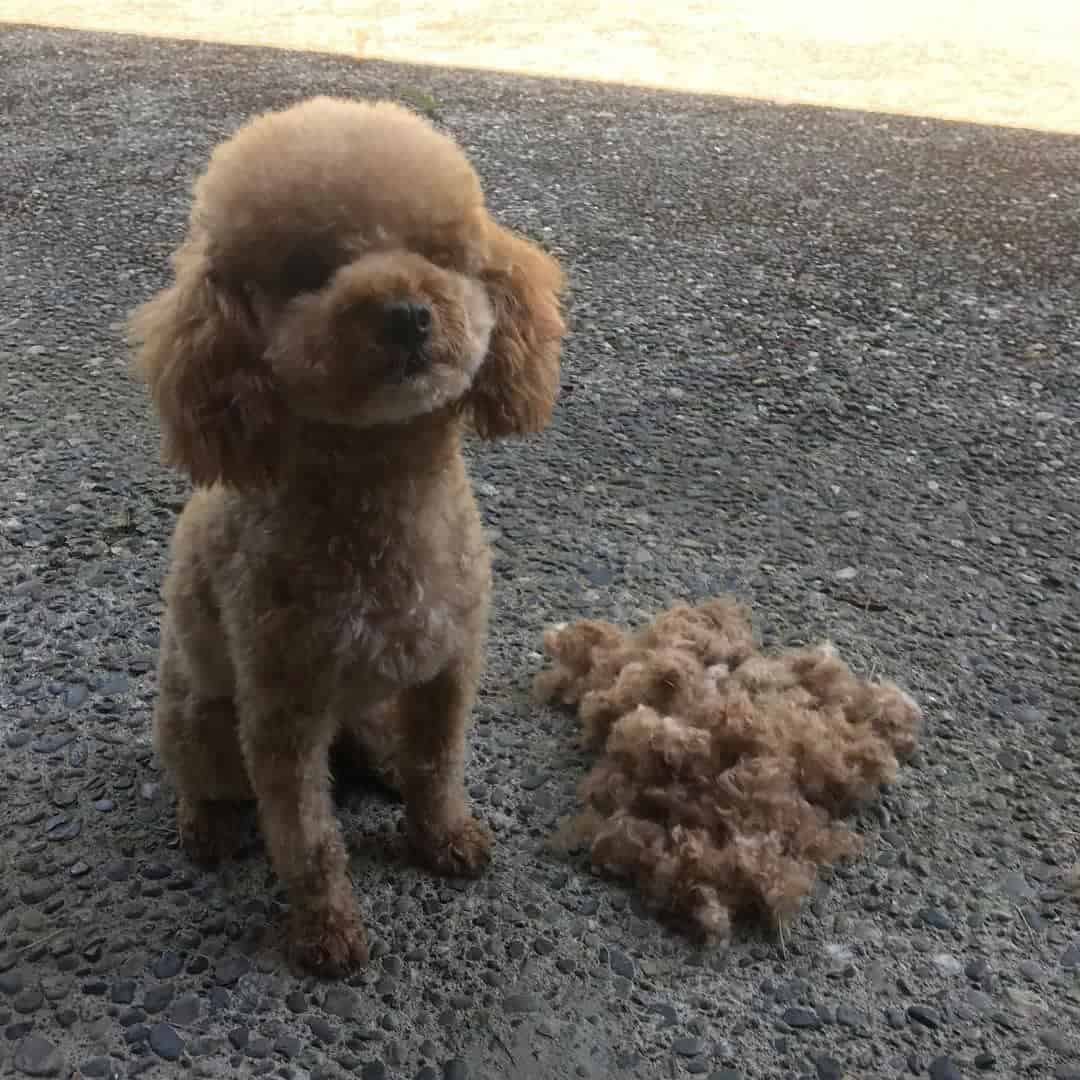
(724, 770)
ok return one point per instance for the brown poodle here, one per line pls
(343, 306)
(723, 769)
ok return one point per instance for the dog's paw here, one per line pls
(459, 850)
(330, 943)
(210, 832)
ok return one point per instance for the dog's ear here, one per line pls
(199, 349)
(514, 391)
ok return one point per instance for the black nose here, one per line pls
(407, 324)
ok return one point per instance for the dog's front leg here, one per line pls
(442, 831)
(286, 755)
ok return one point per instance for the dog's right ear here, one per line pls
(199, 349)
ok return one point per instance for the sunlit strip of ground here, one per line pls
(1014, 63)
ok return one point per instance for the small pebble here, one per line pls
(935, 917)
(185, 1009)
(28, 1001)
(136, 1034)
(36, 1056)
(168, 965)
(798, 1017)
(947, 964)
(342, 1002)
(165, 1042)
(925, 1015)
(688, 1046)
(231, 970)
(846, 1016)
(322, 1030)
(942, 1068)
(157, 997)
(895, 1018)
(828, 1068)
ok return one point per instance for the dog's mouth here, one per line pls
(410, 364)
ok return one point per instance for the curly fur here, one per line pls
(722, 770)
(343, 308)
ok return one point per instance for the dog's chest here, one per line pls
(402, 627)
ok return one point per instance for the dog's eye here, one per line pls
(305, 271)
(360, 311)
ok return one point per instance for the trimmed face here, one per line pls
(390, 337)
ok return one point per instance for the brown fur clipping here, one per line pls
(723, 770)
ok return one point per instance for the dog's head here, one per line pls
(341, 267)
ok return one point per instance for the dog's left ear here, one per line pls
(515, 390)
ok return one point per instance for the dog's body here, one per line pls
(343, 307)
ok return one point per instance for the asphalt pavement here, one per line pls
(826, 360)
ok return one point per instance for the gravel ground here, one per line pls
(826, 360)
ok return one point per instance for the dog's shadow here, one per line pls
(354, 788)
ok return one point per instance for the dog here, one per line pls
(343, 311)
